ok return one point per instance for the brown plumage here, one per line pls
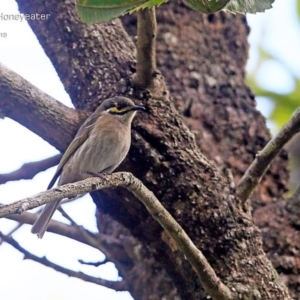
(100, 145)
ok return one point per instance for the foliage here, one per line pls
(97, 11)
(285, 103)
(249, 6)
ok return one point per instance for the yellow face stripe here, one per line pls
(118, 111)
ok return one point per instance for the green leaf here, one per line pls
(285, 104)
(206, 6)
(148, 4)
(97, 11)
(248, 6)
(298, 9)
(233, 6)
(283, 110)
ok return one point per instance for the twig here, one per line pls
(146, 59)
(262, 160)
(29, 170)
(208, 278)
(100, 241)
(20, 223)
(95, 264)
(10, 233)
(116, 285)
(104, 243)
(64, 214)
(77, 233)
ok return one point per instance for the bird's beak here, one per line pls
(138, 107)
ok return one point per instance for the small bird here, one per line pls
(100, 145)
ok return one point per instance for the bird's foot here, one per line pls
(95, 174)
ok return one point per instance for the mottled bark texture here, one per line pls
(36, 110)
(202, 59)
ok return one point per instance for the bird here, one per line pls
(100, 145)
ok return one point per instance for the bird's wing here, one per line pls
(81, 136)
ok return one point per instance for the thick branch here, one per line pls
(207, 275)
(116, 285)
(34, 109)
(170, 163)
(29, 170)
(257, 169)
(146, 59)
(108, 52)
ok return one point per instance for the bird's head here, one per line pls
(121, 107)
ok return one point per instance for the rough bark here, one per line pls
(29, 106)
(202, 58)
(95, 55)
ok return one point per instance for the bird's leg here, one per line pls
(95, 174)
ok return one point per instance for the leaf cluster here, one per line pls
(97, 11)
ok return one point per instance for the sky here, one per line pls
(21, 52)
(278, 32)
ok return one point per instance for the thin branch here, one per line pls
(77, 233)
(20, 220)
(116, 285)
(64, 214)
(37, 111)
(106, 244)
(263, 159)
(95, 264)
(100, 241)
(146, 58)
(58, 193)
(10, 233)
(208, 278)
(29, 170)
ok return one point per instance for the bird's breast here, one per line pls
(102, 152)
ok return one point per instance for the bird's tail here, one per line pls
(41, 224)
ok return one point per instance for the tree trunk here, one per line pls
(202, 59)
